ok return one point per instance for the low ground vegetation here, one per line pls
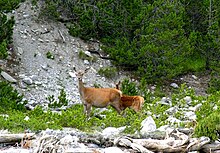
(17, 119)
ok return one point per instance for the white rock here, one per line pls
(7, 77)
(23, 36)
(171, 110)
(37, 82)
(195, 108)
(174, 85)
(188, 99)
(26, 15)
(26, 118)
(194, 77)
(72, 74)
(88, 53)
(173, 120)
(165, 101)
(41, 40)
(190, 115)
(215, 107)
(112, 131)
(20, 51)
(68, 139)
(86, 62)
(165, 128)
(113, 150)
(4, 132)
(147, 125)
(29, 107)
(27, 80)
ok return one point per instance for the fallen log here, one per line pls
(11, 138)
(211, 147)
(160, 145)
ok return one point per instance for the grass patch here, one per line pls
(16, 119)
(83, 56)
(108, 72)
(194, 64)
(62, 101)
(214, 83)
(49, 55)
(209, 126)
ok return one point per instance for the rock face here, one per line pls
(47, 53)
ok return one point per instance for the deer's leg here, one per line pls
(84, 108)
(88, 109)
(116, 106)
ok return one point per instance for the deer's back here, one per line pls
(101, 97)
(134, 102)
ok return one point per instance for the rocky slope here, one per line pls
(44, 53)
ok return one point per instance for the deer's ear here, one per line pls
(74, 68)
(87, 69)
(119, 82)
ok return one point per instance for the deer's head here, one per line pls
(80, 73)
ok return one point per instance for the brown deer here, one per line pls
(97, 97)
(134, 102)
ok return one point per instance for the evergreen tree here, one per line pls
(202, 26)
(158, 46)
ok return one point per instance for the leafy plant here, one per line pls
(49, 55)
(128, 87)
(209, 105)
(108, 72)
(62, 101)
(8, 5)
(37, 120)
(83, 56)
(10, 98)
(6, 30)
(214, 83)
(97, 85)
(49, 11)
(209, 126)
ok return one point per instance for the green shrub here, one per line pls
(83, 56)
(97, 85)
(62, 101)
(6, 30)
(9, 5)
(129, 88)
(49, 11)
(10, 98)
(3, 50)
(209, 126)
(214, 83)
(108, 72)
(6, 25)
(49, 55)
(209, 105)
(156, 46)
(194, 64)
(38, 120)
